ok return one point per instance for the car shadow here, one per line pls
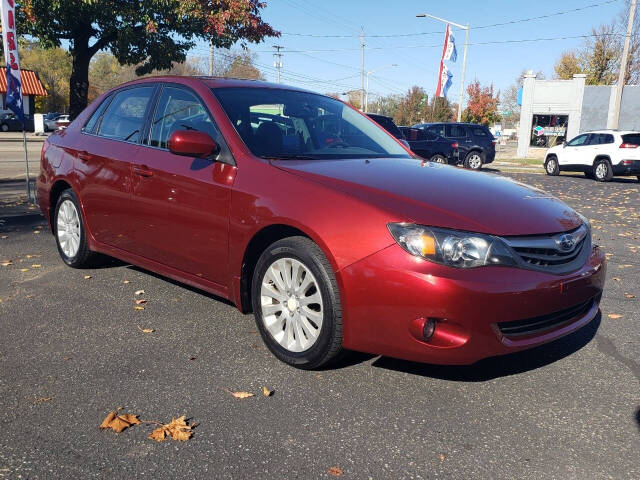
(638, 418)
(502, 366)
(581, 176)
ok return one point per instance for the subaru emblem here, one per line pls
(566, 242)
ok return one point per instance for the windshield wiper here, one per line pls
(287, 156)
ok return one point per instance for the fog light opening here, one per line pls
(429, 328)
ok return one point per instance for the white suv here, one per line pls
(600, 155)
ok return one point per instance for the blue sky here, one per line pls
(500, 64)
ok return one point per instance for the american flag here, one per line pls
(10, 42)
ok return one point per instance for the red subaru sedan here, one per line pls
(299, 208)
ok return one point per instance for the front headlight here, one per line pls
(451, 247)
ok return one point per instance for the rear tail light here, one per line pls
(628, 145)
(627, 162)
(494, 143)
(454, 145)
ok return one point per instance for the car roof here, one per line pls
(620, 132)
(215, 82)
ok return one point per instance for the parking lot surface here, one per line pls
(72, 349)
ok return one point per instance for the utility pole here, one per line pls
(211, 59)
(464, 59)
(278, 59)
(362, 72)
(624, 62)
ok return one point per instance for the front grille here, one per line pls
(548, 256)
(555, 252)
(529, 326)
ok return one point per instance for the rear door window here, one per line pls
(455, 131)
(124, 117)
(600, 138)
(479, 132)
(436, 130)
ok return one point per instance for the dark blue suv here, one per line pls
(476, 145)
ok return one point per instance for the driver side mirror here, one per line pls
(192, 143)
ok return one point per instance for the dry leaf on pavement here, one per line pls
(335, 471)
(138, 307)
(118, 423)
(615, 315)
(146, 330)
(24, 269)
(238, 394)
(126, 281)
(177, 429)
(140, 301)
(267, 392)
(87, 277)
(6, 264)
(629, 295)
(36, 265)
(139, 292)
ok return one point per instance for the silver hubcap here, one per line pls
(292, 309)
(601, 170)
(68, 228)
(440, 160)
(475, 161)
(551, 166)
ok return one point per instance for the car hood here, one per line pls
(433, 194)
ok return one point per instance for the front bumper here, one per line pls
(387, 294)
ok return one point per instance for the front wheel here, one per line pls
(296, 303)
(602, 171)
(438, 159)
(4, 127)
(473, 161)
(552, 167)
(70, 233)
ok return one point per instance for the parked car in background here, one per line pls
(476, 145)
(50, 121)
(600, 155)
(9, 122)
(62, 121)
(317, 220)
(430, 146)
(389, 125)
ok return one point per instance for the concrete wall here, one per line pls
(595, 107)
(630, 108)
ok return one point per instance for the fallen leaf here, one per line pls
(177, 428)
(6, 264)
(629, 295)
(139, 292)
(615, 315)
(266, 392)
(36, 231)
(126, 281)
(3, 237)
(442, 457)
(617, 279)
(146, 330)
(118, 423)
(36, 265)
(28, 256)
(335, 471)
(87, 277)
(138, 307)
(40, 400)
(624, 266)
(140, 301)
(192, 358)
(24, 269)
(240, 394)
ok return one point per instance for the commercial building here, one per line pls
(557, 110)
(31, 87)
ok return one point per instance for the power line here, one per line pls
(510, 22)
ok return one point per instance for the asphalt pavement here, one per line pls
(72, 348)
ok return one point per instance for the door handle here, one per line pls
(143, 171)
(84, 156)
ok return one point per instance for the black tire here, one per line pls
(4, 127)
(83, 257)
(551, 166)
(328, 346)
(473, 160)
(602, 170)
(438, 159)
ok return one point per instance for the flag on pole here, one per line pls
(449, 51)
(444, 81)
(10, 42)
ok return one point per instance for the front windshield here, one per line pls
(287, 124)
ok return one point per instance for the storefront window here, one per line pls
(548, 130)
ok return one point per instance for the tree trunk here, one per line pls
(79, 80)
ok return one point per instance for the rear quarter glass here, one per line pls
(632, 138)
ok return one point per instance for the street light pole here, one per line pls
(366, 96)
(464, 59)
(623, 67)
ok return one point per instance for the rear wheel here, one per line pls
(473, 161)
(602, 170)
(4, 127)
(551, 166)
(439, 159)
(70, 233)
(296, 303)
